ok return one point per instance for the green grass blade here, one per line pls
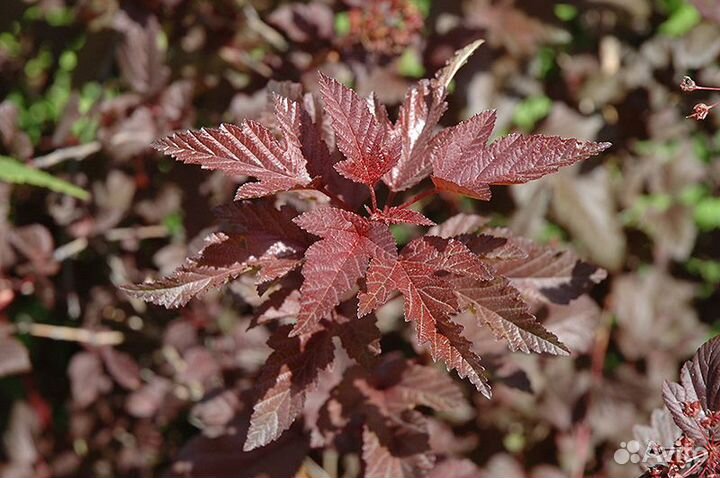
(13, 171)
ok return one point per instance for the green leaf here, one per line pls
(13, 171)
(342, 24)
(423, 6)
(565, 11)
(707, 214)
(530, 111)
(410, 64)
(709, 270)
(681, 21)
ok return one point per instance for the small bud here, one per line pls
(692, 409)
(700, 111)
(688, 84)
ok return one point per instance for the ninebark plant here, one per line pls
(314, 233)
(683, 439)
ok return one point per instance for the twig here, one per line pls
(70, 249)
(419, 197)
(255, 23)
(77, 153)
(71, 334)
(139, 233)
(373, 198)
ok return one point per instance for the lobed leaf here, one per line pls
(334, 264)
(429, 300)
(464, 163)
(382, 462)
(290, 371)
(547, 274)
(397, 215)
(360, 135)
(246, 150)
(499, 306)
(418, 118)
(293, 369)
(223, 259)
(699, 382)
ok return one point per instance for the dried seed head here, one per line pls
(700, 111)
(688, 84)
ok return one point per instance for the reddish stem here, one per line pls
(419, 197)
(373, 198)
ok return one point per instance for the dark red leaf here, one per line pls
(122, 367)
(419, 115)
(224, 457)
(359, 134)
(214, 415)
(222, 259)
(464, 163)
(396, 215)
(429, 299)
(87, 379)
(458, 225)
(382, 461)
(248, 150)
(499, 307)
(139, 56)
(334, 264)
(548, 274)
(699, 382)
(292, 370)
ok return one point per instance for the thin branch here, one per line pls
(268, 33)
(77, 153)
(137, 233)
(419, 197)
(70, 249)
(71, 334)
(373, 198)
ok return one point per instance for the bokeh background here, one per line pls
(93, 384)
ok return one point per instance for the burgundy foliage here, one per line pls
(345, 263)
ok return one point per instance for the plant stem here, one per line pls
(373, 198)
(72, 334)
(419, 197)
